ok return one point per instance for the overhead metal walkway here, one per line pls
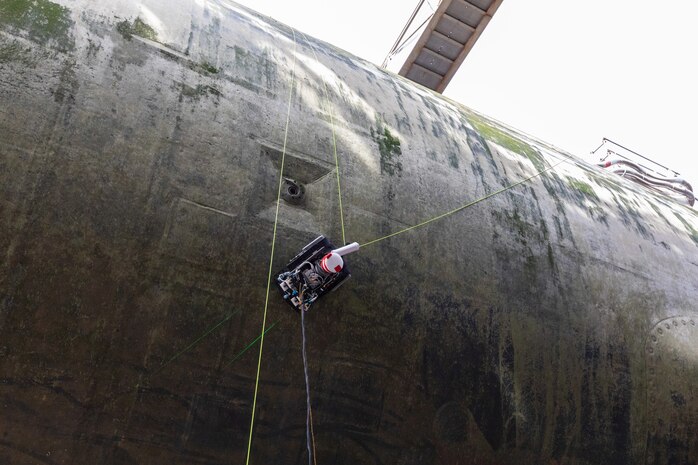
(447, 40)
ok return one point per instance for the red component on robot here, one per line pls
(332, 263)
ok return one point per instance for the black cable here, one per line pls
(402, 34)
(412, 35)
(307, 380)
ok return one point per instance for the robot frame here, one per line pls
(317, 270)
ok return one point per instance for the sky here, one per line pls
(567, 72)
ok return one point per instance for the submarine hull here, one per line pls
(141, 149)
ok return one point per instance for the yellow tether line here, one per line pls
(334, 141)
(463, 207)
(273, 242)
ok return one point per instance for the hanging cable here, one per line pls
(307, 386)
(312, 435)
(273, 243)
(407, 41)
(463, 207)
(402, 33)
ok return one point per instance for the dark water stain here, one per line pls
(422, 122)
(437, 129)
(13, 51)
(199, 91)
(68, 84)
(403, 123)
(689, 228)
(257, 69)
(630, 216)
(477, 169)
(453, 159)
(483, 156)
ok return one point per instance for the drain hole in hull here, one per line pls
(293, 191)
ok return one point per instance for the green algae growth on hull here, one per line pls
(43, 21)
